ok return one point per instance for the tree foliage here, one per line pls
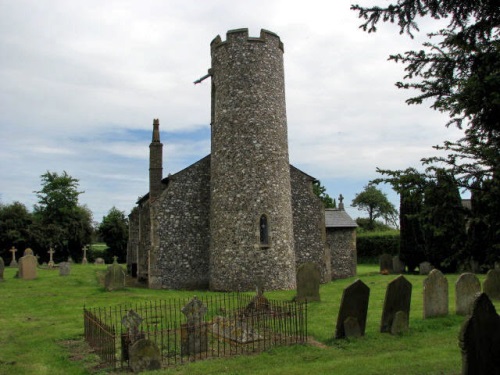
(320, 191)
(376, 204)
(15, 222)
(114, 232)
(458, 68)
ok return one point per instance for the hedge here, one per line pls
(370, 245)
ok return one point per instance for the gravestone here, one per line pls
(194, 333)
(353, 311)
(491, 285)
(13, 262)
(308, 280)
(28, 251)
(51, 260)
(131, 321)
(385, 262)
(435, 295)
(397, 298)
(64, 269)
(2, 268)
(479, 339)
(400, 323)
(99, 261)
(235, 329)
(144, 355)
(115, 277)
(27, 267)
(398, 267)
(466, 289)
(425, 268)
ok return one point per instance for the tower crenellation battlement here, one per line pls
(238, 35)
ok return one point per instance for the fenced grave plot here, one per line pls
(196, 329)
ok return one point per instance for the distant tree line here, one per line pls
(59, 222)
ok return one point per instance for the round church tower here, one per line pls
(251, 212)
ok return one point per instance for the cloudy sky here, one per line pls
(82, 81)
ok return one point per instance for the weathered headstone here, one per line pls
(28, 251)
(51, 260)
(385, 262)
(398, 267)
(435, 295)
(194, 333)
(27, 267)
(425, 268)
(400, 323)
(235, 329)
(144, 355)
(2, 267)
(466, 289)
(13, 262)
(115, 277)
(353, 311)
(131, 321)
(84, 260)
(397, 298)
(64, 269)
(491, 285)
(308, 280)
(99, 261)
(479, 339)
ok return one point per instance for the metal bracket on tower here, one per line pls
(209, 74)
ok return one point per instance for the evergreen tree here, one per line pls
(114, 232)
(320, 191)
(15, 222)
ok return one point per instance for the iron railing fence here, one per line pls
(217, 326)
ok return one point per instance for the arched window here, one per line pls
(264, 231)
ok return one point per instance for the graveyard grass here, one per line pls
(42, 330)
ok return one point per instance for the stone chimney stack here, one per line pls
(155, 163)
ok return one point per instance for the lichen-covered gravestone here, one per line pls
(479, 339)
(397, 298)
(144, 355)
(385, 262)
(425, 268)
(115, 277)
(491, 285)
(27, 265)
(351, 321)
(64, 269)
(194, 333)
(308, 280)
(435, 295)
(466, 289)
(2, 267)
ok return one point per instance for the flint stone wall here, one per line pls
(342, 245)
(133, 238)
(144, 241)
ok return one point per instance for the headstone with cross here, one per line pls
(13, 262)
(194, 333)
(84, 260)
(51, 260)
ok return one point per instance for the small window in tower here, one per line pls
(264, 231)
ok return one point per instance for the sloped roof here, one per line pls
(335, 218)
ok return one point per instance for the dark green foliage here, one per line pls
(15, 222)
(364, 225)
(114, 232)
(370, 246)
(320, 191)
(376, 204)
(412, 246)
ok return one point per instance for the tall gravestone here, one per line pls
(466, 289)
(397, 299)
(491, 285)
(308, 280)
(13, 262)
(351, 321)
(194, 333)
(115, 277)
(385, 262)
(435, 295)
(2, 267)
(479, 339)
(28, 265)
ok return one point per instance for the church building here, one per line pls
(241, 216)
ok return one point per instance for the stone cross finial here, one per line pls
(341, 202)
(194, 311)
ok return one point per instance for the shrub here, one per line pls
(370, 245)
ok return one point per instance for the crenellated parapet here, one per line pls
(239, 35)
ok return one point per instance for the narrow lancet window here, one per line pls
(264, 231)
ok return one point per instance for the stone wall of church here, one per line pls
(309, 224)
(133, 241)
(181, 216)
(144, 241)
(342, 245)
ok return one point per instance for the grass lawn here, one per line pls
(41, 330)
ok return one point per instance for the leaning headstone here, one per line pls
(2, 267)
(425, 268)
(13, 262)
(479, 339)
(398, 267)
(385, 262)
(27, 267)
(466, 289)
(308, 280)
(144, 355)
(351, 321)
(194, 333)
(435, 295)
(397, 298)
(115, 277)
(64, 269)
(491, 285)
